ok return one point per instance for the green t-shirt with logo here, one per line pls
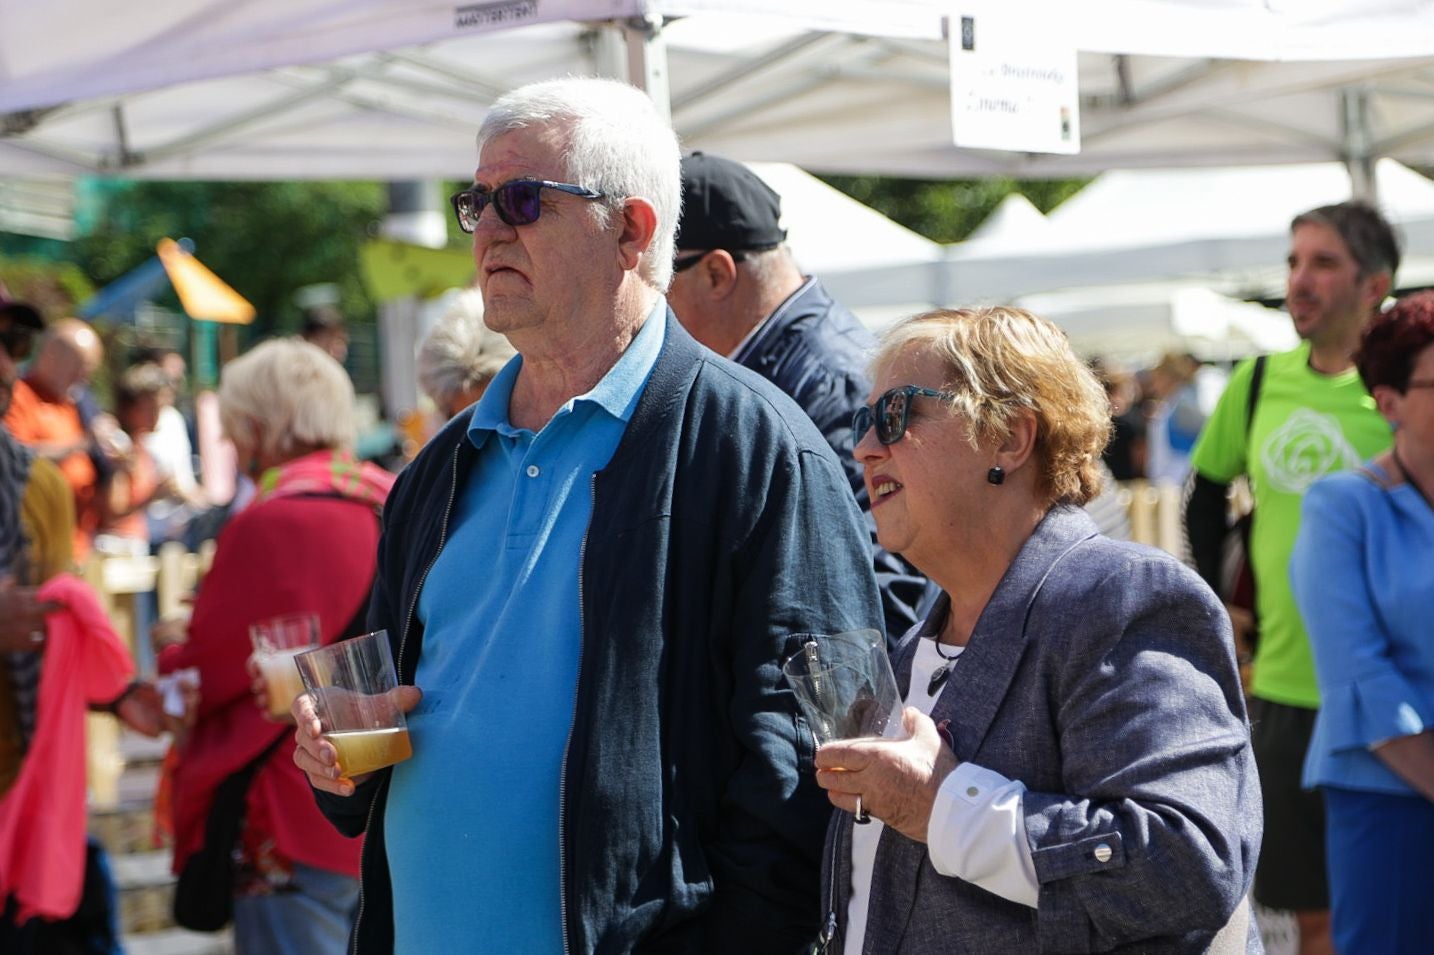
(1306, 425)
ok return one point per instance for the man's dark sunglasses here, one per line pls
(687, 261)
(889, 413)
(518, 201)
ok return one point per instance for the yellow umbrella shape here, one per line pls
(203, 294)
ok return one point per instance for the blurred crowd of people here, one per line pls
(664, 460)
(1157, 412)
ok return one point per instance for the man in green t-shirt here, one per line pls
(1312, 416)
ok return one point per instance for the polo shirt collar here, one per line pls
(616, 393)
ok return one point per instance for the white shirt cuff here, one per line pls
(977, 833)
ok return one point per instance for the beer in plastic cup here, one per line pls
(276, 642)
(352, 683)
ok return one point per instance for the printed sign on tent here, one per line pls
(1012, 87)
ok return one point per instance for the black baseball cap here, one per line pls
(726, 206)
(21, 314)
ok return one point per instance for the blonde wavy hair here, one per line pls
(1000, 360)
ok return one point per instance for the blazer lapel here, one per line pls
(985, 670)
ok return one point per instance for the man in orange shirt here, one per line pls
(44, 416)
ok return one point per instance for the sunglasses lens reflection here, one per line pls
(469, 206)
(518, 202)
(860, 424)
(891, 416)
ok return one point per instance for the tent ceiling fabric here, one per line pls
(394, 89)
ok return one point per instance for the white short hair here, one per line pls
(460, 353)
(285, 398)
(617, 143)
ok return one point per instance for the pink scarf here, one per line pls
(42, 817)
(327, 472)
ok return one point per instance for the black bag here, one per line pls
(204, 897)
(1238, 576)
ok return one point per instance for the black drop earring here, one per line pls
(997, 475)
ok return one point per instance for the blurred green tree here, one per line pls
(266, 239)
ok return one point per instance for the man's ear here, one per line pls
(639, 225)
(718, 271)
(1378, 288)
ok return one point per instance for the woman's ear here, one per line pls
(1389, 402)
(1020, 441)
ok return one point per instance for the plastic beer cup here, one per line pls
(352, 683)
(276, 642)
(845, 688)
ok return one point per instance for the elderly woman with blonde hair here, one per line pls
(460, 355)
(305, 544)
(1077, 772)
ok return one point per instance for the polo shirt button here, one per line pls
(972, 791)
(1102, 853)
(533, 470)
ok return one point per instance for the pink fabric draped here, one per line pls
(42, 817)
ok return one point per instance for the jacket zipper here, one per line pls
(829, 930)
(563, 771)
(402, 645)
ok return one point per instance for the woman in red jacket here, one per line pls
(306, 543)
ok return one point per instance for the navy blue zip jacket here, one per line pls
(722, 527)
(816, 351)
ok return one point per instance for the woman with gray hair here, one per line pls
(460, 355)
(306, 544)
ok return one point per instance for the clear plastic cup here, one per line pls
(846, 689)
(845, 686)
(352, 683)
(276, 642)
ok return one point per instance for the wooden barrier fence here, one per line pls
(121, 583)
(1155, 514)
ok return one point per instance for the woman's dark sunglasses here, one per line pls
(889, 413)
(518, 201)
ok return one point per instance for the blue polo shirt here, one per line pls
(472, 818)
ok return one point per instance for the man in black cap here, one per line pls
(737, 289)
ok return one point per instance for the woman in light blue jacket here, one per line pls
(1362, 578)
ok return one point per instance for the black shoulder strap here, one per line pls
(1257, 378)
(1376, 478)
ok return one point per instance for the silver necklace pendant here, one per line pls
(938, 677)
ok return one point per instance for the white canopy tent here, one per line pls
(1136, 323)
(1227, 227)
(394, 88)
(853, 248)
(1014, 220)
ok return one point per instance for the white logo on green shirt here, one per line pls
(1306, 447)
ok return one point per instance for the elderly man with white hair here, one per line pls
(593, 576)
